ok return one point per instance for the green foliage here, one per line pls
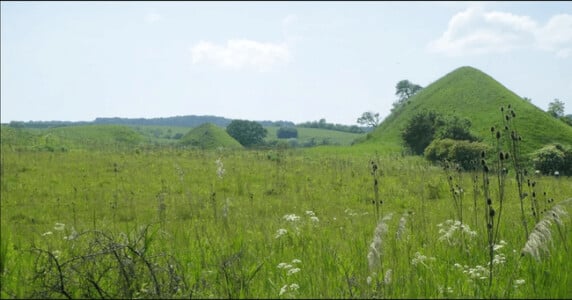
(553, 157)
(369, 118)
(247, 133)
(420, 131)
(209, 136)
(465, 153)
(287, 132)
(556, 108)
(404, 89)
(455, 128)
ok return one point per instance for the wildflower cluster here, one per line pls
(478, 272)
(448, 229)
(280, 232)
(291, 269)
(421, 259)
(312, 216)
(219, 168)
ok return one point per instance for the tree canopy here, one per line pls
(369, 118)
(247, 133)
(556, 108)
(404, 90)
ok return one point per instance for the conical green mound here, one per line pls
(209, 136)
(472, 94)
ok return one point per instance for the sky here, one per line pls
(293, 61)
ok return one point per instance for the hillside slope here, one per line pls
(470, 93)
(209, 136)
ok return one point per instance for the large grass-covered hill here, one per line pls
(469, 93)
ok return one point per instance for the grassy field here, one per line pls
(170, 223)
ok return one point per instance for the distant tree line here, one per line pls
(322, 124)
(182, 121)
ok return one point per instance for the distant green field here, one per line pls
(319, 136)
(99, 136)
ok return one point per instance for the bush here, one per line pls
(420, 130)
(287, 132)
(247, 133)
(552, 158)
(465, 153)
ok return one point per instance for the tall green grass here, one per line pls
(274, 224)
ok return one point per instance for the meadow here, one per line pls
(326, 222)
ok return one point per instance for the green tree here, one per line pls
(369, 118)
(456, 128)
(553, 157)
(404, 90)
(420, 130)
(247, 133)
(287, 132)
(556, 108)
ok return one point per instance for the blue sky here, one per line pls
(296, 61)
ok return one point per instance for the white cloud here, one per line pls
(241, 53)
(476, 31)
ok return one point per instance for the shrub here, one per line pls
(553, 157)
(247, 133)
(420, 130)
(287, 132)
(465, 153)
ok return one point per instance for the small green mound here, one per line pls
(209, 136)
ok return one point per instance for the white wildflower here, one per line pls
(47, 233)
(500, 245)
(420, 259)
(368, 280)
(518, 283)
(219, 168)
(284, 266)
(314, 219)
(280, 232)
(284, 289)
(59, 226)
(293, 271)
(56, 253)
(310, 213)
(296, 261)
(291, 218)
(498, 259)
(289, 288)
